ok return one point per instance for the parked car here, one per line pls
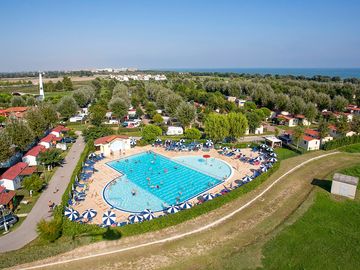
(10, 219)
(69, 140)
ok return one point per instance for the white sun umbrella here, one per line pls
(158, 140)
(225, 148)
(246, 179)
(208, 197)
(132, 141)
(71, 214)
(135, 218)
(172, 209)
(263, 145)
(237, 150)
(273, 155)
(89, 214)
(185, 205)
(148, 214)
(109, 218)
(182, 141)
(269, 149)
(264, 169)
(272, 159)
(209, 143)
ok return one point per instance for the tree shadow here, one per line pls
(322, 183)
(111, 234)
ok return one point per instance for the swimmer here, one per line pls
(175, 167)
(157, 186)
(165, 170)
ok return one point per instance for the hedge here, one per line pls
(73, 228)
(341, 142)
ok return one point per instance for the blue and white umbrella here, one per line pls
(158, 140)
(209, 143)
(92, 155)
(178, 143)
(198, 146)
(272, 159)
(208, 197)
(182, 140)
(109, 218)
(172, 209)
(273, 155)
(71, 214)
(264, 169)
(259, 158)
(263, 145)
(89, 214)
(185, 205)
(132, 142)
(135, 218)
(246, 179)
(225, 148)
(147, 214)
(237, 150)
(269, 149)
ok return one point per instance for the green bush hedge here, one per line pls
(341, 142)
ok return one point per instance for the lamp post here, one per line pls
(2, 208)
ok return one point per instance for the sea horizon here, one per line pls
(307, 72)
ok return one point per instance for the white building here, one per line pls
(11, 178)
(31, 156)
(258, 130)
(112, 144)
(174, 131)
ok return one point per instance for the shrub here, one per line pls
(341, 142)
(150, 133)
(192, 134)
(33, 182)
(49, 230)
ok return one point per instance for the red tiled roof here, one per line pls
(332, 127)
(108, 139)
(301, 116)
(308, 138)
(35, 151)
(2, 188)
(284, 117)
(59, 129)
(312, 132)
(28, 171)
(16, 109)
(14, 171)
(6, 197)
(48, 138)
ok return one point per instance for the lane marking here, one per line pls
(175, 237)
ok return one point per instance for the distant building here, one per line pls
(259, 130)
(174, 131)
(344, 185)
(112, 144)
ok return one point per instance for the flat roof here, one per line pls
(352, 180)
(272, 139)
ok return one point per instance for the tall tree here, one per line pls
(339, 103)
(119, 107)
(50, 158)
(67, 83)
(298, 134)
(254, 121)
(150, 133)
(355, 124)
(323, 128)
(20, 134)
(185, 113)
(17, 101)
(238, 125)
(342, 125)
(171, 104)
(49, 114)
(5, 146)
(67, 106)
(310, 111)
(97, 114)
(36, 122)
(217, 126)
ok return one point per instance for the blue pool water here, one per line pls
(158, 181)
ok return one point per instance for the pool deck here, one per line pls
(105, 174)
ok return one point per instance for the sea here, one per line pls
(307, 72)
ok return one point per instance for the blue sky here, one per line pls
(49, 35)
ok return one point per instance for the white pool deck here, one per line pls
(105, 174)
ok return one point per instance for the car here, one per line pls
(10, 219)
(69, 140)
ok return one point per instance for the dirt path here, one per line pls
(241, 223)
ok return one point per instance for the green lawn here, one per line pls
(353, 171)
(284, 153)
(326, 237)
(352, 148)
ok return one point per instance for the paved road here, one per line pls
(27, 230)
(252, 138)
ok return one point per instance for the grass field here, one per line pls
(284, 153)
(326, 237)
(353, 148)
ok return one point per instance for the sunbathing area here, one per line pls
(135, 184)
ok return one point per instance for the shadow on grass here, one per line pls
(111, 234)
(322, 183)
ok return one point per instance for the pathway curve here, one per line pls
(180, 235)
(61, 178)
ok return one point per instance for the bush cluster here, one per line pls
(341, 142)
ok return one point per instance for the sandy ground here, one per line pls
(105, 174)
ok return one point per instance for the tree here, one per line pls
(282, 102)
(217, 126)
(59, 86)
(36, 122)
(297, 105)
(67, 83)
(5, 146)
(238, 125)
(49, 86)
(139, 112)
(339, 103)
(192, 134)
(118, 107)
(249, 106)
(150, 133)
(30, 101)
(254, 121)
(277, 132)
(342, 125)
(121, 91)
(80, 97)
(50, 157)
(266, 111)
(33, 182)
(20, 134)
(93, 133)
(185, 113)
(17, 101)
(157, 119)
(67, 106)
(97, 114)
(323, 101)
(171, 104)
(310, 111)
(150, 109)
(49, 230)
(49, 114)
(298, 134)
(355, 124)
(323, 128)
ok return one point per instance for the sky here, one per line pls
(83, 34)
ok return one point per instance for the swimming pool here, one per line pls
(154, 181)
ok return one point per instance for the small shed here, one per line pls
(344, 185)
(272, 141)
